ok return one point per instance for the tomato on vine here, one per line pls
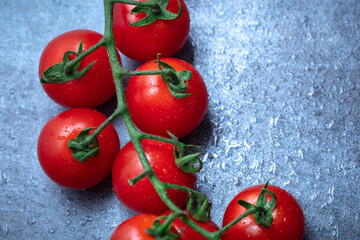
(190, 234)
(287, 221)
(134, 228)
(56, 158)
(154, 110)
(143, 43)
(92, 89)
(142, 197)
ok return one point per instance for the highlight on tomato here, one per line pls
(159, 36)
(92, 89)
(155, 110)
(142, 197)
(283, 221)
(56, 158)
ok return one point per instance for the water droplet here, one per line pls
(12, 91)
(85, 220)
(312, 91)
(4, 231)
(51, 231)
(72, 229)
(68, 222)
(330, 124)
(31, 221)
(4, 178)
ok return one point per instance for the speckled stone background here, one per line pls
(284, 82)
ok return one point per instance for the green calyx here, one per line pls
(83, 147)
(162, 231)
(155, 9)
(198, 206)
(60, 73)
(176, 81)
(187, 163)
(263, 209)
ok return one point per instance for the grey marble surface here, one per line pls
(283, 79)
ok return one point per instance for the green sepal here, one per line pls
(160, 233)
(80, 151)
(187, 163)
(199, 207)
(155, 13)
(149, 19)
(58, 74)
(176, 81)
(264, 209)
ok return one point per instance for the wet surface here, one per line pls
(283, 79)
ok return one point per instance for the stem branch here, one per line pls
(71, 64)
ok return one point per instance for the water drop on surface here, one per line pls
(31, 221)
(4, 178)
(51, 231)
(85, 220)
(4, 230)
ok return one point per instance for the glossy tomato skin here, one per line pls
(189, 233)
(288, 218)
(166, 37)
(134, 228)
(91, 90)
(154, 110)
(56, 159)
(142, 197)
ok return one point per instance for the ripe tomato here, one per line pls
(142, 197)
(166, 37)
(288, 218)
(134, 228)
(154, 110)
(91, 90)
(56, 159)
(188, 232)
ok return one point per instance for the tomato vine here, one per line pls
(85, 145)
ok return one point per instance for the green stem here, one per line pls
(163, 139)
(71, 64)
(98, 130)
(149, 72)
(235, 221)
(184, 189)
(150, 4)
(135, 135)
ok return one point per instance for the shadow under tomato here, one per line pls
(202, 134)
(90, 196)
(187, 53)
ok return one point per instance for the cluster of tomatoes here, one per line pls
(153, 110)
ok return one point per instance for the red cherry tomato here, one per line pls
(56, 159)
(134, 228)
(189, 233)
(166, 37)
(91, 90)
(154, 110)
(142, 197)
(288, 218)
